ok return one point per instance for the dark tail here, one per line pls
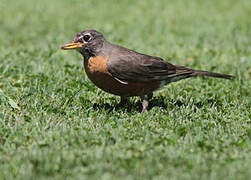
(211, 74)
(205, 73)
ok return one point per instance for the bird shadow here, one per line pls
(160, 102)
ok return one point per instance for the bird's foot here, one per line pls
(145, 104)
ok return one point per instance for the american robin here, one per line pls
(124, 72)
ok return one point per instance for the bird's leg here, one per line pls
(123, 101)
(145, 103)
(150, 96)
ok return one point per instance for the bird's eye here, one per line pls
(86, 38)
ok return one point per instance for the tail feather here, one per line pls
(211, 74)
(204, 73)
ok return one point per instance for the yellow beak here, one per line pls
(72, 45)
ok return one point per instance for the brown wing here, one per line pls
(130, 66)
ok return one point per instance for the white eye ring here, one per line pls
(86, 37)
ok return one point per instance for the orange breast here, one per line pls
(96, 70)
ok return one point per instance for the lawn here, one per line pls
(55, 124)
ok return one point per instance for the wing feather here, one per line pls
(129, 66)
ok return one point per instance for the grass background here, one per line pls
(54, 124)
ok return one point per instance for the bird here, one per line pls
(127, 73)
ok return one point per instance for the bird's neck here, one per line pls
(87, 54)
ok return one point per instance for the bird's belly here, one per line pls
(97, 72)
(108, 84)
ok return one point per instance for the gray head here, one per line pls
(87, 42)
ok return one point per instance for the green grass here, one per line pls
(55, 124)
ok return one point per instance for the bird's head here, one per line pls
(88, 43)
